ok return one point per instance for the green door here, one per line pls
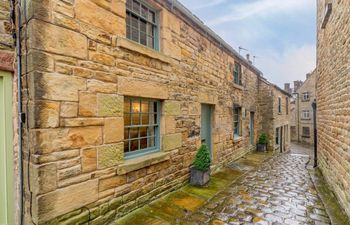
(206, 125)
(6, 152)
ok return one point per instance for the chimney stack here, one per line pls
(248, 59)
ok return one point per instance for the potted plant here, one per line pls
(200, 169)
(262, 144)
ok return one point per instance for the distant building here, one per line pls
(301, 119)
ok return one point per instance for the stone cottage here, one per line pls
(275, 110)
(116, 97)
(332, 91)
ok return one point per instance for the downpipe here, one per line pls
(16, 10)
(314, 107)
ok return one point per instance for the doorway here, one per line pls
(6, 151)
(206, 125)
(281, 139)
(251, 128)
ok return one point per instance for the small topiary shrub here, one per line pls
(202, 160)
(263, 139)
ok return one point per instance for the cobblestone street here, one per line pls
(280, 191)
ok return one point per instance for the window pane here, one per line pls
(143, 38)
(134, 145)
(143, 26)
(144, 11)
(128, 32)
(134, 35)
(127, 121)
(129, 4)
(127, 105)
(135, 22)
(136, 7)
(126, 133)
(145, 106)
(150, 42)
(143, 132)
(145, 119)
(135, 106)
(150, 29)
(151, 131)
(151, 142)
(126, 146)
(135, 119)
(143, 143)
(152, 16)
(134, 133)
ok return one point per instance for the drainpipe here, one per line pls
(298, 116)
(16, 10)
(314, 107)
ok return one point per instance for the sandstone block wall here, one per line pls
(333, 94)
(81, 66)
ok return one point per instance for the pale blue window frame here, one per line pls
(128, 152)
(141, 13)
(237, 74)
(237, 113)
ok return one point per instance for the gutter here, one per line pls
(182, 9)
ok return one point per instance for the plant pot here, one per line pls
(261, 147)
(199, 177)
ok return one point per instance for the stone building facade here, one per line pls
(302, 122)
(332, 91)
(275, 111)
(118, 96)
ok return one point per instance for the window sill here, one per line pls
(305, 136)
(238, 86)
(305, 100)
(237, 139)
(141, 162)
(136, 47)
(306, 119)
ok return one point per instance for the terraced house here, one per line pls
(115, 98)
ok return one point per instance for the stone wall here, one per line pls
(80, 67)
(332, 90)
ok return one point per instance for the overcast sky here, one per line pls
(280, 33)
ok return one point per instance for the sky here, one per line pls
(280, 33)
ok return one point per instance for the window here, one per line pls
(237, 74)
(305, 114)
(306, 132)
(306, 96)
(277, 136)
(141, 23)
(141, 126)
(279, 105)
(237, 122)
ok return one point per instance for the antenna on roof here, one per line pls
(241, 48)
(254, 57)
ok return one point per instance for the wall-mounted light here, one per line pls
(327, 14)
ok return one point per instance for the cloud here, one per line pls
(260, 8)
(292, 64)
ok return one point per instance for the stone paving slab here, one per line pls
(279, 191)
(178, 205)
